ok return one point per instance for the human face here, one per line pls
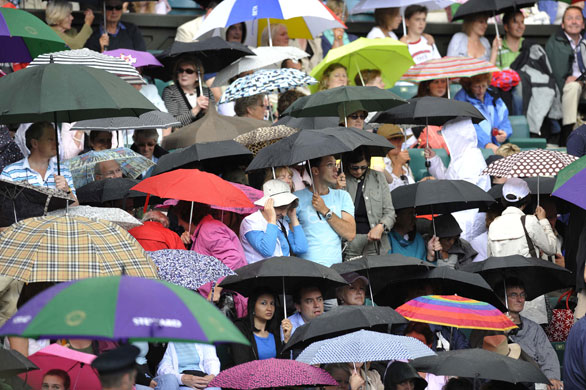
(186, 75)
(52, 382)
(113, 11)
(102, 141)
(328, 171)
(338, 78)
(406, 219)
(438, 87)
(358, 169)
(264, 308)
(354, 293)
(290, 64)
(377, 82)
(357, 119)
(516, 299)
(109, 170)
(418, 336)
(516, 26)
(478, 90)
(258, 110)
(342, 377)
(146, 146)
(448, 242)
(311, 304)
(234, 33)
(66, 23)
(398, 145)
(46, 145)
(282, 37)
(573, 22)
(406, 385)
(416, 24)
(479, 26)
(283, 174)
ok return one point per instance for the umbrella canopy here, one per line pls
(148, 120)
(364, 346)
(67, 93)
(93, 59)
(429, 110)
(545, 187)
(60, 248)
(251, 193)
(194, 185)
(264, 57)
(530, 163)
(441, 196)
(448, 67)
(491, 6)
(539, 276)
(136, 58)
(101, 191)
(456, 311)
(23, 36)
(188, 268)
(315, 122)
(285, 272)
(342, 320)
(329, 102)
(114, 307)
(183, 158)
(310, 144)
(370, 5)
(303, 18)
(76, 364)
(570, 183)
(388, 55)
(13, 363)
(480, 363)
(271, 373)
(266, 81)
(262, 137)
(116, 216)
(212, 127)
(132, 164)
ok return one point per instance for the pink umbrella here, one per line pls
(259, 374)
(76, 364)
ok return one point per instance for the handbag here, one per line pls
(562, 320)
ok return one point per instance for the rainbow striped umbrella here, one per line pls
(448, 67)
(456, 311)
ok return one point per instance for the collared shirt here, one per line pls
(507, 56)
(22, 171)
(119, 27)
(575, 68)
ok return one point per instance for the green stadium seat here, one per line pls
(404, 91)
(486, 153)
(454, 89)
(417, 162)
(160, 84)
(183, 7)
(521, 135)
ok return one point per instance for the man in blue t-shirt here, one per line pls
(325, 214)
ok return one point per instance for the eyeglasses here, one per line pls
(330, 165)
(113, 7)
(356, 116)
(184, 70)
(358, 167)
(517, 296)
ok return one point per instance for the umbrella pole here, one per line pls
(448, 87)
(104, 15)
(496, 27)
(437, 253)
(269, 30)
(14, 209)
(505, 287)
(77, 376)
(403, 22)
(345, 115)
(538, 190)
(274, 176)
(370, 287)
(359, 73)
(427, 162)
(313, 185)
(57, 144)
(284, 299)
(199, 82)
(190, 218)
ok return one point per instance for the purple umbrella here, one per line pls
(135, 58)
(259, 374)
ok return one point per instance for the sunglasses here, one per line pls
(113, 7)
(188, 71)
(356, 116)
(358, 167)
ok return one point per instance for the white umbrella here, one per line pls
(114, 215)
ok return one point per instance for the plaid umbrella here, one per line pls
(148, 120)
(262, 137)
(364, 346)
(530, 163)
(448, 67)
(60, 248)
(457, 311)
(269, 373)
(92, 59)
(116, 216)
(188, 268)
(266, 81)
(82, 166)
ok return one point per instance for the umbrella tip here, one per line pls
(124, 271)
(51, 59)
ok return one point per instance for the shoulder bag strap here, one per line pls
(529, 242)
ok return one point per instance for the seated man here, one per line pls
(117, 367)
(154, 234)
(107, 170)
(454, 251)
(309, 303)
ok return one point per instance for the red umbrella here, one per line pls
(194, 185)
(259, 374)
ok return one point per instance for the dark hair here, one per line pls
(381, 13)
(95, 133)
(520, 203)
(61, 374)
(314, 163)
(458, 384)
(35, 131)
(499, 385)
(507, 17)
(367, 76)
(421, 328)
(241, 105)
(424, 90)
(183, 211)
(146, 133)
(252, 303)
(572, 7)
(243, 30)
(354, 157)
(500, 287)
(414, 9)
(115, 379)
(299, 292)
(286, 99)
(187, 59)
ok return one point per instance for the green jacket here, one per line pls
(560, 56)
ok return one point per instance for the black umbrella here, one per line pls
(148, 120)
(102, 191)
(200, 152)
(546, 185)
(310, 144)
(493, 7)
(281, 273)
(342, 320)
(308, 123)
(441, 196)
(428, 110)
(13, 363)
(480, 364)
(539, 276)
(437, 281)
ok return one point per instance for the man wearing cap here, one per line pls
(514, 233)
(117, 367)
(454, 251)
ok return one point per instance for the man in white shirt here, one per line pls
(188, 31)
(420, 47)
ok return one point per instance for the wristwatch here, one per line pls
(329, 215)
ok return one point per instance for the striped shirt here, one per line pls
(22, 171)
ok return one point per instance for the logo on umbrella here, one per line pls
(128, 58)
(255, 10)
(21, 319)
(162, 322)
(31, 30)
(75, 318)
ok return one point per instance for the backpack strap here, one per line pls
(532, 251)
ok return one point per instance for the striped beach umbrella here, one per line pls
(456, 311)
(448, 67)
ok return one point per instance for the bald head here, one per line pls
(107, 170)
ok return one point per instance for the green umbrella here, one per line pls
(338, 100)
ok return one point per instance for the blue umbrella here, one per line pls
(364, 346)
(188, 269)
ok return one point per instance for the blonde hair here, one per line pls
(57, 11)
(269, 174)
(469, 20)
(149, 7)
(323, 82)
(264, 38)
(507, 150)
(337, 6)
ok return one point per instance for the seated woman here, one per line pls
(352, 114)
(433, 139)
(496, 129)
(251, 107)
(386, 20)
(354, 293)
(397, 170)
(281, 173)
(58, 16)
(341, 373)
(279, 35)
(334, 76)
(472, 42)
(183, 98)
(187, 364)
(337, 37)
(369, 78)
(275, 230)
(261, 328)
(404, 238)
(454, 252)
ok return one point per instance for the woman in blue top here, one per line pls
(404, 238)
(496, 129)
